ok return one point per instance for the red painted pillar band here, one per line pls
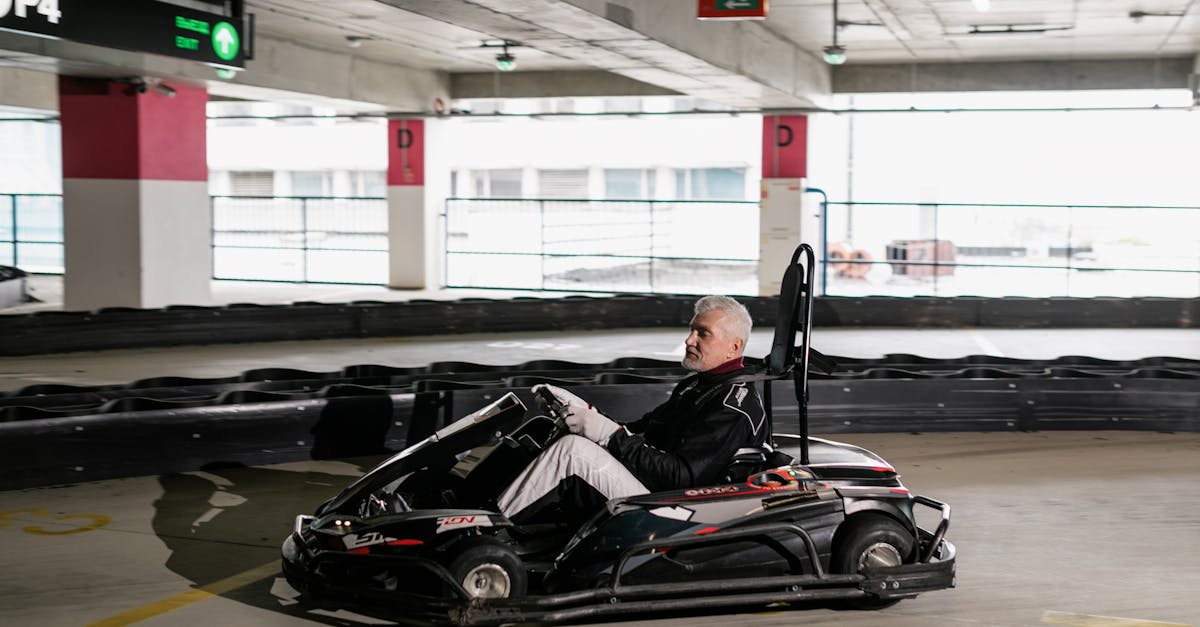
(406, 152)
(114, 130)
(785, 146)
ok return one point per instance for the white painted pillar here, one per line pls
(136, 225)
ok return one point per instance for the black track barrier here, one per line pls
(54, 434)
(59, 332)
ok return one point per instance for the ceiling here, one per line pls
(448, 35)
(401, 55)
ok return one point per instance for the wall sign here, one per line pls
(731, 9)
(785, 146)
(136, 25)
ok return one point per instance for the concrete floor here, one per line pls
(1062, 528)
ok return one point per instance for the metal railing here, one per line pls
(994, 250)
(31, 232)
(676, 247)
(872, 248)
(300, 239)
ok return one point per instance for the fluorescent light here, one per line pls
(982, 5)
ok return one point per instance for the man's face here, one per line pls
(710, 343)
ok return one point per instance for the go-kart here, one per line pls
(803, 520)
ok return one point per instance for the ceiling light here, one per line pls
(982, 5)
(356, 41)
(835, 55)
(505, 62)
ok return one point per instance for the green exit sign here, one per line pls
(147, 26)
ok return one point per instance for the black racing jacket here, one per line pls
(691, 439)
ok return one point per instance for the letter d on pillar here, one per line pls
(785, 146)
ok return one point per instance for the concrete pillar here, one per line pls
(783, 219)
(136, 223)
(408, 265)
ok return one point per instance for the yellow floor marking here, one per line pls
(1087, 620)
(192, 596)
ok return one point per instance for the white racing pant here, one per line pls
(570, 456)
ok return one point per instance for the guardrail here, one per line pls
(31, 232)
(642, 246)
(688, 247)
(300, 239)
(994, 250)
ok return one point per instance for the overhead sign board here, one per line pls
(731, 9)
(137, 25)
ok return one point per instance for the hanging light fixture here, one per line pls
(835, 54)
(506, 62)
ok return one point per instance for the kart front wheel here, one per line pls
(871, 541)
(488, 569)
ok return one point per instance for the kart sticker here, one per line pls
(354, 540)
(674, 512)
(450, 523)
(721, 489)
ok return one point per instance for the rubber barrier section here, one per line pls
(52, 434)
(59, 331)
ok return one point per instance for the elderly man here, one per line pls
(687, 441)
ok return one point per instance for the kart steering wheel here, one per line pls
(556, 409)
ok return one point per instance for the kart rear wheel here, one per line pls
(488, 569)
(870, 540)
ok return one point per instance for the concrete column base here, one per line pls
(136, 243)
(407, 263)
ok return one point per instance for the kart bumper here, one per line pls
(909, 580)
(318, 573)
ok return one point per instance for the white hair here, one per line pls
(737, 318)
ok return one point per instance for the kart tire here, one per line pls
(487, 568)
(870, 539)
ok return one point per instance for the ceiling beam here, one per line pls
(1163, 73)
(551, 84)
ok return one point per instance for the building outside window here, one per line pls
(564, 184)
(253, 183)
(710, 184)
(315, 183)
(628, 183)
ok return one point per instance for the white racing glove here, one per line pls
(582, 418)
(591, 424)
(566, 398)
